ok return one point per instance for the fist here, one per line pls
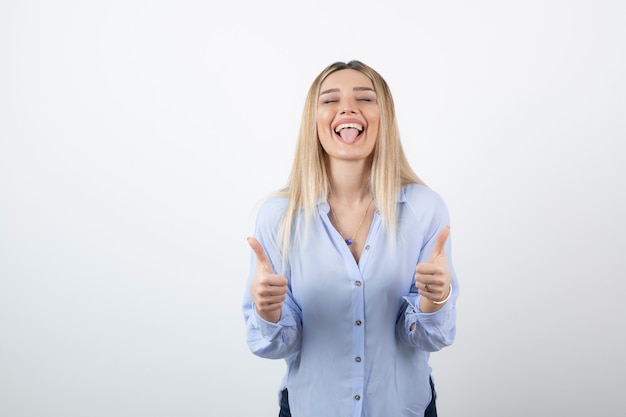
(433, 278)
(267, 289)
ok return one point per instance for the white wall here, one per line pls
(137, 138)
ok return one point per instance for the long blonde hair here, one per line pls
(308, 182)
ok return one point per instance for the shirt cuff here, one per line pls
(268, 329)
(413, 314)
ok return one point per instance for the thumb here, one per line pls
(439, 250)
(262, 259)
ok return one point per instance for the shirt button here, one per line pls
(357, 397)
(357, 283)
(367, 247)
(358, 359)
(358, 322)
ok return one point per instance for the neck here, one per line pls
(349, 184)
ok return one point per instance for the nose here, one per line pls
(348, 110)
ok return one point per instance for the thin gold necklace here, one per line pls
(349, 240)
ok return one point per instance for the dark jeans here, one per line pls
(431, 410)
(284, 405)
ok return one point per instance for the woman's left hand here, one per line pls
(433, 278)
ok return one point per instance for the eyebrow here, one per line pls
(336, 90)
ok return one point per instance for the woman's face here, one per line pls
(347, 115)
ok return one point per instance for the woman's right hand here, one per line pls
(268, 290)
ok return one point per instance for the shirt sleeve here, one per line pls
(431, 331)
(265, 339)
(274, 340)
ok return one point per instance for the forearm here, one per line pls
(428, 331)
(274, 340)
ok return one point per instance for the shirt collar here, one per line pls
(323, 205)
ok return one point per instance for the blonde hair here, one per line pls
(308, 182)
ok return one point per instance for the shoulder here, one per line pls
(271, 210)
(418, 194)
(425, 203)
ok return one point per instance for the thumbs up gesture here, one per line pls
(433, 278)
(268, 290)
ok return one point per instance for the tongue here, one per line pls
(349, 135)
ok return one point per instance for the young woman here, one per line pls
(351, 280)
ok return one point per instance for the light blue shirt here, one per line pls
(344, 330)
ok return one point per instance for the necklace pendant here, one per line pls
(349, 241)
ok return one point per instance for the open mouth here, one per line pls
(349, 132)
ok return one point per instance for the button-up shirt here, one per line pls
(345, 327)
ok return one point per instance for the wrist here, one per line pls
(444, 299)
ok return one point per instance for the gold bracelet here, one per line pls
(444, 300)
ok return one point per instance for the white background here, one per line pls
(137, 139)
